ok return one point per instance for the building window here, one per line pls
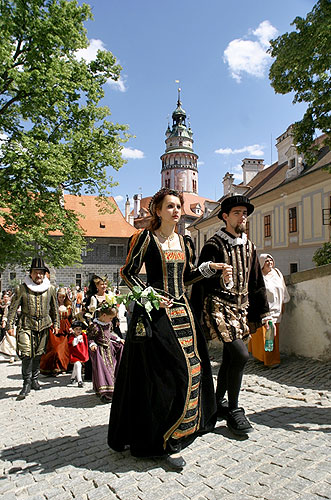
(204, 238)
(167, 183)
(84, 252)
(292, 215)
(293, 267)
(247, 229)
(194, 183)
(12, 276)
(292, 163)
(116, 250)
(267, 226)
(79, 280)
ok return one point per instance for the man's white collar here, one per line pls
(233, 241)
(37, 288)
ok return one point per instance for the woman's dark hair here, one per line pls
(156, 203)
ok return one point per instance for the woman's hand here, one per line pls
(93, 348)
(164, 302)
(225, 268)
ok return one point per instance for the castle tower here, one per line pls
(179, 162)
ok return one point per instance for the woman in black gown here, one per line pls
(164, 393)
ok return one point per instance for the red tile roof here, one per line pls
(95, 224)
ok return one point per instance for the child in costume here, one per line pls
(78, 349)
(105, 351)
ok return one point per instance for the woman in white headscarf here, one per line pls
(277, 295)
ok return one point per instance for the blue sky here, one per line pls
(217, 50)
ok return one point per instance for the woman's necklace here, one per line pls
(170, 237)
(167, 239)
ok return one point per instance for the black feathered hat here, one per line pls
(38, 263)
(235, 201)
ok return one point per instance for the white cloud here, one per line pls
(200, 163)
(265, 32)
(119, 84)
(253, 150)
(247, 56)
(132, 154)
(118, 199)
(90, 53)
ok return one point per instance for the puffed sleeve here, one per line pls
(138, 244)
(14, 305)
(54, 308)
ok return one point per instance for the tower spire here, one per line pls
(179, 162)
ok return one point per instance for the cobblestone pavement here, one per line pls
(54, 443)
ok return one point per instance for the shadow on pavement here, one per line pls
(86, 400)
(222, 430)
(294, 418)
(88, 450)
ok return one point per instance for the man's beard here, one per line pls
(240, 228)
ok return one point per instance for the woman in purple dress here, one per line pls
(105, 352)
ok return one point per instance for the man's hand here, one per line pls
(56, 330)
(226, 270)
(11, 332)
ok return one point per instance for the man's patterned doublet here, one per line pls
(38, 309)
(232, 312)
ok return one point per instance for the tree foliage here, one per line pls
(302, 65)
(322, 256)
(54, 135)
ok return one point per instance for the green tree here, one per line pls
(322, 256)
(302, 65)
(54, 135)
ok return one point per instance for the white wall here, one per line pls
(305, 329)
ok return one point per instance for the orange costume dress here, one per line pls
(56, 358)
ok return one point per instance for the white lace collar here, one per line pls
(233, 241)
(37, 288)
(101, 323)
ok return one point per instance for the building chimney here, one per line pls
(227, 183)
(136, 205)
(251, 167)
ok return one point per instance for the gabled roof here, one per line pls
(95, 224)
(191, 200)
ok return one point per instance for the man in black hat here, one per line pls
(232, 304)
(39, 309)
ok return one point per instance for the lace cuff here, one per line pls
(206, 270)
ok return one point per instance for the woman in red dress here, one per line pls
(56, 358)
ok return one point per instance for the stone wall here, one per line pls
(305, 329)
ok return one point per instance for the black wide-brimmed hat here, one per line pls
(38, 263)
(78, 324)
(235, 201)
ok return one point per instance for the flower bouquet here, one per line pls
(147, 298)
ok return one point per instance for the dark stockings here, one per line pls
(235, 356)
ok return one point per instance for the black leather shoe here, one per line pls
(238, 423)
(176, 463)
(222, 409)
(35, 385)
(25, 391)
